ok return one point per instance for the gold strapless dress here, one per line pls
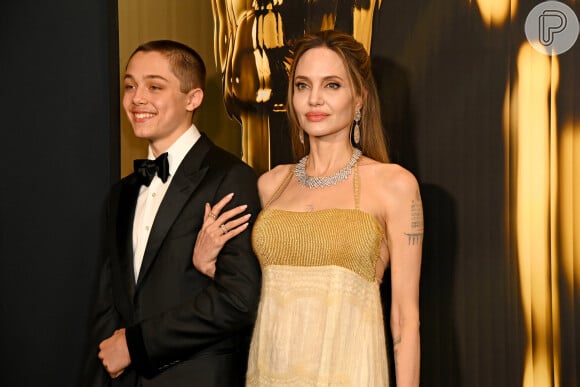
(320, 320)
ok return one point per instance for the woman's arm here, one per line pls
(212, 238)
(405, 241)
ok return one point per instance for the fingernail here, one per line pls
(243, 206)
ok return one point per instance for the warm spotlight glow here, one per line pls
(495, 13)
(569, 168)
(533, 173)
(362, 29)
(554, 229)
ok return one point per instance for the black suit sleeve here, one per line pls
(225, 308)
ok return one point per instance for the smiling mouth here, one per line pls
(143, 116)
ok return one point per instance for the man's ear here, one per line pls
(194, 99)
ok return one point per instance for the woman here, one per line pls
(329, 227)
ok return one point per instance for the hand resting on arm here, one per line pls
(217, 229)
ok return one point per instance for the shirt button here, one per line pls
(153, 194)
(147, 228)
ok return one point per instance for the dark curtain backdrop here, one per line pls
(59, 156)
(443, 76)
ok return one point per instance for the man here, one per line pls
(158, 321)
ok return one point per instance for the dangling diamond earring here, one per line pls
(356, 132)
(301, 136)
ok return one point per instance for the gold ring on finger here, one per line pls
(212, 215)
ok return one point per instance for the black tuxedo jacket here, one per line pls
(182, 328)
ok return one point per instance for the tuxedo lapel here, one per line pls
(186, 180)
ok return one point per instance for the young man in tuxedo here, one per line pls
(157, 320)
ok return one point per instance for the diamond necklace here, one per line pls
(320, 182)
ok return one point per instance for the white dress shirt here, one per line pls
(150, 197)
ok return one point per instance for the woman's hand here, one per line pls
(217, 229)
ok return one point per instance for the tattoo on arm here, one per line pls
(416, 236)
(396, 342)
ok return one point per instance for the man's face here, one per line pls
(158, 111)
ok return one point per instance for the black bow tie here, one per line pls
(146, 169)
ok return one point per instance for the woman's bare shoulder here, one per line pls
(390, 179)
(269, 182)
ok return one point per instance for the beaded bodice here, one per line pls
(349, 238)
(341, 237)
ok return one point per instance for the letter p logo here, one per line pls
(552, 27)
(551, 22)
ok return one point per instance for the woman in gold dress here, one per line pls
(330, 226)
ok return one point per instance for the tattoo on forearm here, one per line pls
(396, 342)
(416, 236)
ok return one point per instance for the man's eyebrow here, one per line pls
(152, 76)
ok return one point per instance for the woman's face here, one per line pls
(323, 99)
